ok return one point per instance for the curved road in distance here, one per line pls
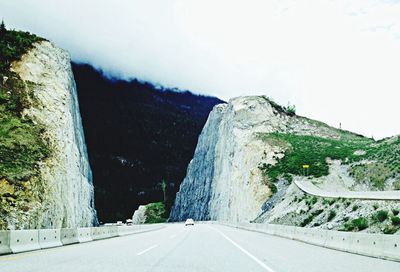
(311, 189)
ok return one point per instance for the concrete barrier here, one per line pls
(113, 231)
(24, 240)
(5, 242)
(382, 246)
(99, 233)
(49, 238)
(69, 236)
(16, 241)
(124, 230)
(84, 235)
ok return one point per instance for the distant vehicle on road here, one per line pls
(119, 223)
(129, 222)
(189, 222)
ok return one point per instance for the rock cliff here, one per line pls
(251, 149)
(59, 193)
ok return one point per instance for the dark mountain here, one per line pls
(137, 134)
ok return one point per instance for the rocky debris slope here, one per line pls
(251, 149)
(63, 181)
(139, 216)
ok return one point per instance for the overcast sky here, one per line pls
(337, 61)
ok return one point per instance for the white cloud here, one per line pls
(338, 61)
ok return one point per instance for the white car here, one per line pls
(189, 222)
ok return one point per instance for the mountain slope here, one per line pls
(137, 136)
(251, 150)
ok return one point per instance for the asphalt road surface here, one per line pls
(201, 247)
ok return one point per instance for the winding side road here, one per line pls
(309, 188)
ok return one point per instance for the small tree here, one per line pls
(291, 109)
(164, 189)
(3, 29)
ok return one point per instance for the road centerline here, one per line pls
(251, 256)
(146, 250)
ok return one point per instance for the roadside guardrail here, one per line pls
(16, 241)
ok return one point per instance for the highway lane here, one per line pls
(204, 247)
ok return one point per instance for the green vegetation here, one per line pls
(302, 150)
(395, 220)
(354, 208)
(390, 229)
(358, 224)
(311, 217)
(22, 144)
(395, 212)
(155, 213)
(311, 200)
(327, 201)
(311, 150)
(307, 220)
(380, 216)
(273, 188)
(396, 184)
(13, 44)
(331, 215)
(289, 110)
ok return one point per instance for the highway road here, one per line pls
(203, 247)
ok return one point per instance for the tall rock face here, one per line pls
(224, 180)
(64, 178)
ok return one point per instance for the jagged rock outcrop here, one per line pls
(64, 179)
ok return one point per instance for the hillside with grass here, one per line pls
(256, 149)
(38, 115)
(340, 161)
(22, 142)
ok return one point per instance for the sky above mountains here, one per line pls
(337, 61)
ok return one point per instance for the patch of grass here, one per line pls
(358, 224)
(395, 212)
(307, 220)
(311, 150)
(331, 215)
(155, 213)
(22, 142)
(395, 220)
(317, 212)
(327, 201)
(299, 150)
(375, 206)
(354, 208)
(390, 229)
(396, 184)
(311, 201)
(380, 216)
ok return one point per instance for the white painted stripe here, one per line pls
(148, 249)
(254, 258)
